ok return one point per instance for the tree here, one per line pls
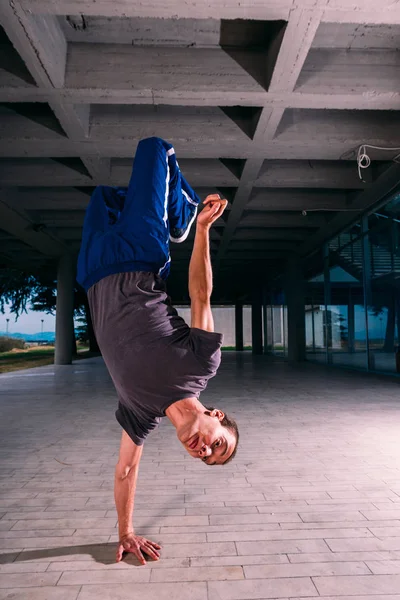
(22, 290)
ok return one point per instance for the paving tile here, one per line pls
(6, 525)
(41, 593)
(204, 549)
(343, 557)
(34, 533)
(67, 514)
(330, 506)
(265, 518)
(221, 528)
(126, 563)
(135, 575)
(73, 523)
(12, 580)
(53, 542)
(351, 586)
(343, 525)
(173, 538)
(369, 597)
(305, 570)
(363, 544)
(284, 546)
(315, 517)
(224, 561)
(24, 567)
(222, 510)
(384, 567)
(219, 573)
(261, 588)
(382, 515)
(152, 591)
(382, 532)
(238, 536)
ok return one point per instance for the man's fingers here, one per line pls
(139, 555)
(219, 211)
(151, 552)
(151, 548)
(120, 552)
(212, 198)
(155, 545)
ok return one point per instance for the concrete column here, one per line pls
(239, 326)
(295, 297)
(65, 311)
(256, 323)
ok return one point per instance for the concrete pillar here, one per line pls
(65, 311)
(256, 323)
(239, 326)
(295, 298)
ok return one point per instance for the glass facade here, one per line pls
(275, 328)
(352, 307)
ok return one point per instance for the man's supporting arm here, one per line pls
(126, 474)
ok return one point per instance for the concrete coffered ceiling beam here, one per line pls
(283, 219)
(357, 100)
(268, 234)
(200, 148)
(349, 11)
(213, 9)
(309, 174)
(294, 46)
(41, 43)
(21, 227)
(284, 199)
(39, 172)
(51, 198)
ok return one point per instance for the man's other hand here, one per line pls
(214, 206)
(137, 545)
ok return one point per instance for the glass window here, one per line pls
(383, 305)
(315, 319)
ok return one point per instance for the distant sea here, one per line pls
(46, 336)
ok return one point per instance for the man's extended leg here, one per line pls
(129, 229)
(158, 196)
(182, 201)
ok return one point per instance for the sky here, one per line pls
(29, 322)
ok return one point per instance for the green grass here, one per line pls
(33, 357)
(233, 348)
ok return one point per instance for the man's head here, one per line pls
(212, 436)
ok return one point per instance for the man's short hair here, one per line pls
(230, 424)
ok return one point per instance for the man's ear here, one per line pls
(215, 413)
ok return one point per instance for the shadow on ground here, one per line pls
(101, 553)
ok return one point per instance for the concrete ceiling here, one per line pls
(265, 101)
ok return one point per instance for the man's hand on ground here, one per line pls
(214, 206)
(137, 545)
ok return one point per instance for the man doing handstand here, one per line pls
(157, 363)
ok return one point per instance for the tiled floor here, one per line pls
(310, 507)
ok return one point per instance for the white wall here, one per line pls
(224, 321)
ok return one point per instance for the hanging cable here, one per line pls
(364, 160)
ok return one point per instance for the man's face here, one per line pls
(207, 439)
